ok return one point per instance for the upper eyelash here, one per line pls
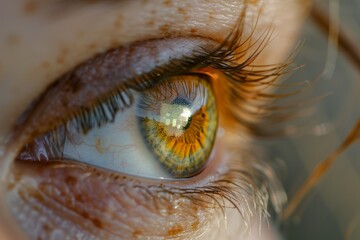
(225, 58)
(102, 112)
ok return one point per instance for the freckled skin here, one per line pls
(31, 7)
(118, 22)
(51, 200)
(100, 205)
(92, 46)
(168, 3)
(13, 40)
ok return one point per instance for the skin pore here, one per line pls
(41, 40)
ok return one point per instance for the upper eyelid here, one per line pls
(223, 54)
(41, 112)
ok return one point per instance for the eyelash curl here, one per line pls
(241, 77)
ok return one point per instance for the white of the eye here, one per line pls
(117, 146)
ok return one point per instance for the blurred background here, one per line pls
(332, 210)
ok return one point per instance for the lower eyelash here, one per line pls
(247, 187)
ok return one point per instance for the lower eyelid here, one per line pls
(65, 198)
(56, 198)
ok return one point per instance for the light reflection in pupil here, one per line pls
(176, 116)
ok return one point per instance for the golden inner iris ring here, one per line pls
(182, 134)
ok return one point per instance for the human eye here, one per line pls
(149, 138)
(167, 114)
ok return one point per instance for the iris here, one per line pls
(178, 119)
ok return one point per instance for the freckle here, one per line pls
(37, 195)
(165, 28)
(168, 3)
(46, 227)
(60, 59)
(181, 10)
(92, 46)
(136, 233)
(175, 230)
(62, 56)
(97, 222)
(150, 23)
(85, 214)
(114, 43)
(10, 186)
(30, 7)
(195, 208)
(195, 225)
(13, 40)
(45, 65)
(193, 30)
(69, 180)
(118, 22)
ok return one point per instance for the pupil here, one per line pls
(185, 103)
(181, 101)
(176, 116)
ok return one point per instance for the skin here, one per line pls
(40, 40)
